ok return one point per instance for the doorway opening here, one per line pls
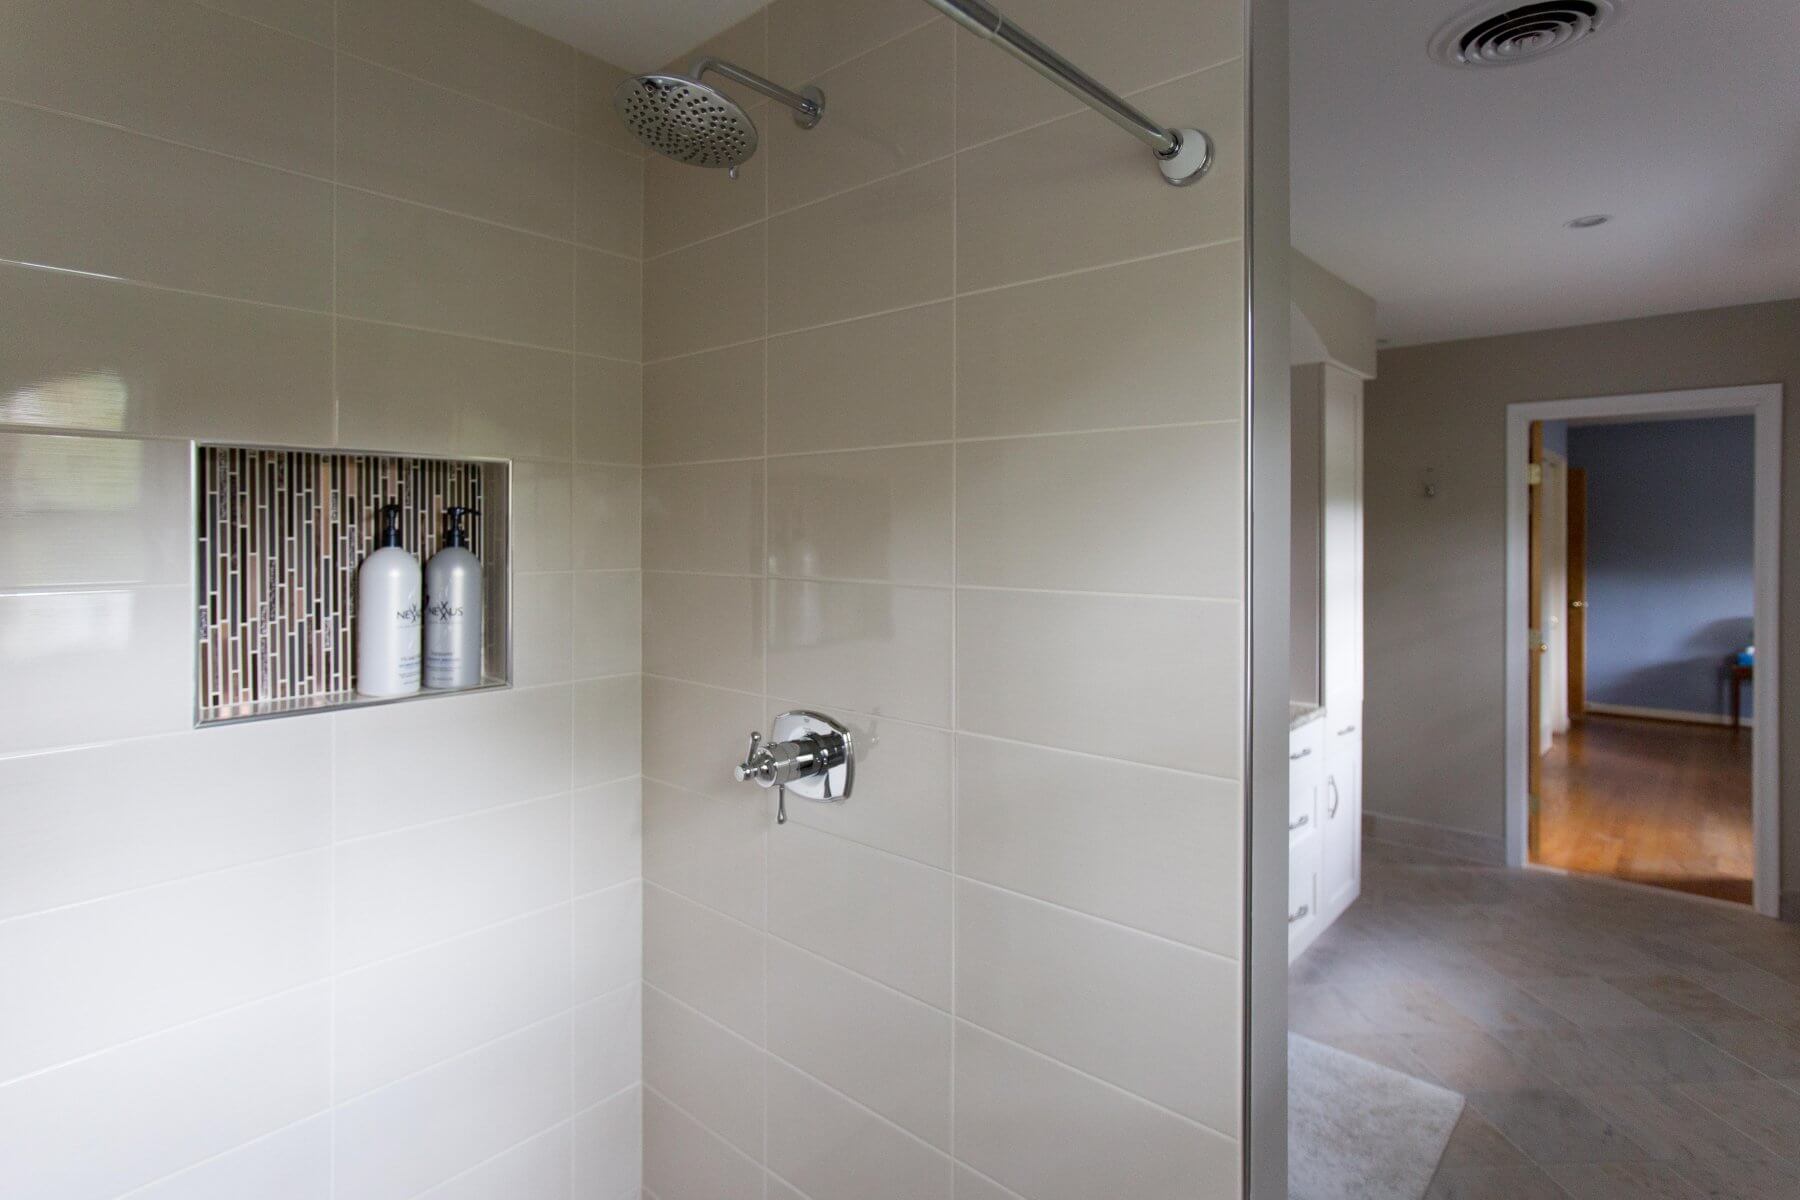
(1642, 558)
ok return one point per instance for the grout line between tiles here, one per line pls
(337, 399)
(320, 983)
(1078, 111)
(1073, 272)
(1187, 597)
(159, 884)
(990, 1181)
(762, 648)
(331, 950)
(474, 813)
(570, 709)
(150, 285)
(955, 566)
(773, 213)
(956, 1020)
(1108, 1085)
(460, 1055)
(212, 7)
(954, 293)
(767, 834)
(953, 880)
(335, 47)
(469, 1170)
(88, 589)
(279, 1130)
(297, 173)
(965, 733)
(884, 43)
(704, 798)
(770, 214)
(1021, 436)
(732, 1146)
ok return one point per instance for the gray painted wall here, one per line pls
(1434, 716)
(1671, 559)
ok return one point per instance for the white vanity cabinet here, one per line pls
(1325, 751)
(1340, 815)
(1306, 778)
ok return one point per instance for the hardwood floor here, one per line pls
(1650, 801)
(1612, 1043)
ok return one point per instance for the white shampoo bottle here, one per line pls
(389, 613)
(453, 621)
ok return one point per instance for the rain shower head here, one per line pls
(696, 123)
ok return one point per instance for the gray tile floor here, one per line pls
(1614, 1043)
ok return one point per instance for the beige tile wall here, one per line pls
(948, 442)
(388, 953)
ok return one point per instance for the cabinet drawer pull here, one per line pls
(1299, 916)
(1300, 755)
(1335, 798)
(1346, 729)
(1293, 825)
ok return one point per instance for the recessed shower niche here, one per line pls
(280, 535)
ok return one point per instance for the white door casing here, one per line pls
(1761, 401)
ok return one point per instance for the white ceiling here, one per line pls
(639, 35)
(1442, 192)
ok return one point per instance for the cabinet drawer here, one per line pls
(1303, 889)
(1306, 755)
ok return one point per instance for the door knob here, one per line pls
(807, 753)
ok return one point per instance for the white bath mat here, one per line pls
(1359, 1131)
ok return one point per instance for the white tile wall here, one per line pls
(1082, 1133)
(709, 1072)
(385, 954)
(240, 1075)
(954, 455)
(432, 1125)
(1005, 550)
(842, 1151)
(536, 1169)
(606, 1142)
(887, 1051)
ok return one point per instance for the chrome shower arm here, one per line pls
(987, 21)
(807, 107)
(1186, 154)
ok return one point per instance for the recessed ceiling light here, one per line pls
(1591, 221)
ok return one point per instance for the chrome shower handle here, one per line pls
(781, 763)
(748, 767)
(807, 753)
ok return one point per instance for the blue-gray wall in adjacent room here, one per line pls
(1556, 437)
(1671, 512)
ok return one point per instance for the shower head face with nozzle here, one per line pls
(686, 120)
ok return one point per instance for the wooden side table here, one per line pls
(1739, 674)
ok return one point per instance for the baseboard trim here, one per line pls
(1484, 849)
(1665, 714)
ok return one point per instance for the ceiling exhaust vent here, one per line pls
(1505, 35)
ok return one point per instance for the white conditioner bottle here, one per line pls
(453, 621)
(389, 614)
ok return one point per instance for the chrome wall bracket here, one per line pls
(807, 753)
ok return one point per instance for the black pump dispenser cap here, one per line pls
(390, 533)
(458, 536)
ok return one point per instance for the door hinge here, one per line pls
(1534, 473)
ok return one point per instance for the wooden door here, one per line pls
(1577, 593)
(1535, 652)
